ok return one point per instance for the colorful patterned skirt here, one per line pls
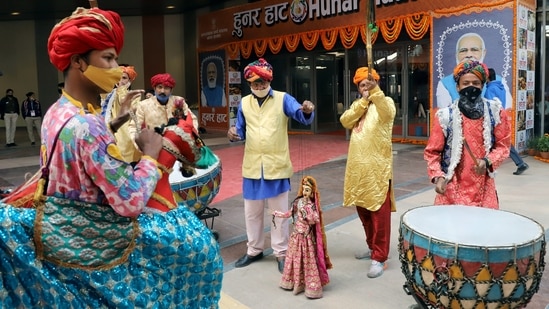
(176, 263)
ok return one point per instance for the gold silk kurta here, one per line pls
(124, 140)
(370, 158)
(151, 113)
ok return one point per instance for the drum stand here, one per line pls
(209, 213)
(420, 303)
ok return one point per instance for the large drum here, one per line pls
(471, 257)
(198, 191)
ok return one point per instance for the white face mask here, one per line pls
(261, 93)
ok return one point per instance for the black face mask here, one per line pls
(471, 93)
(470, 102)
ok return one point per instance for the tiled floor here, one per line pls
(409, 180)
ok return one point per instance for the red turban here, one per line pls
(83, 31)
(471, 66)
(362, 74)
(164, 79)
(130, 71)
(259, 69)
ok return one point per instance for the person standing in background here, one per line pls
(369, 172)
(32, 113)
(9, 112)
(112, 105)
(495, 89)
(262, 121)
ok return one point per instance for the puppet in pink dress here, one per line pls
(307, 261)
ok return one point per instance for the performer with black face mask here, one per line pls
(469, 140)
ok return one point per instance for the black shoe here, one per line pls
(247, 260)
(32, 143)
(280, 264)
(13, 144)
(521, 169)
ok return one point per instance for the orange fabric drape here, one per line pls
(291, 42)
(275, 44)
(390, 29)
(349, 35)
(246, 49)
(416, 25)
(309, 39)
(363, 34)
(260, 47)
(328, 38)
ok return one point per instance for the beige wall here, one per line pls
(132, 53)
(20, 60)
(174, 54)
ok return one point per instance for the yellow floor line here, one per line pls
(227, 302)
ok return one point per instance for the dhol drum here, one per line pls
(470, 257)
(196, 192)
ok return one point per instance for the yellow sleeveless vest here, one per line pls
(266, 138)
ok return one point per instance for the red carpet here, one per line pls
(305, 151)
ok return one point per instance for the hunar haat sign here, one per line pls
(276, 18)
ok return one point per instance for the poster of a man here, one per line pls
(213, 82)
(477, 36)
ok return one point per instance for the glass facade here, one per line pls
(541, 118)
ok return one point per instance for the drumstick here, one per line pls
(470, 152)
(93, 3)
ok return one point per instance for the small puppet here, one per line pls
(307, 260)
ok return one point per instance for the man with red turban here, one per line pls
(469, 140)
(262, 120)
(79, 260)
(156, 110)
(368, 182)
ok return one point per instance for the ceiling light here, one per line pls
(170, 7)
(14, 13)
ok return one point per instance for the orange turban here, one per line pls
(83, 31)
(471, 66)
(130, 71)
(163, 79)
(259, 69)
(362, 74)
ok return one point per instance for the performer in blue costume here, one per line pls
(146, 257)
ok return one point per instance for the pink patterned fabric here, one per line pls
(83, 169)
(305, 267)
(466, 187)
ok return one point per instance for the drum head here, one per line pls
(469, 225)
(176, 176)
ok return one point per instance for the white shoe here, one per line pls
(367, 254)
(376, 269)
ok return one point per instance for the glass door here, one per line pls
(418, 90)
(302, 68)
(388, 63)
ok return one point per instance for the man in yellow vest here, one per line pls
(262, 121)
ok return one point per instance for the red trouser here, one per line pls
(377, 226)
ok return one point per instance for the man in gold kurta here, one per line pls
(124, 140)
(369, 170)
(156, 110)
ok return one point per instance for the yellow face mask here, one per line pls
(103, 78)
